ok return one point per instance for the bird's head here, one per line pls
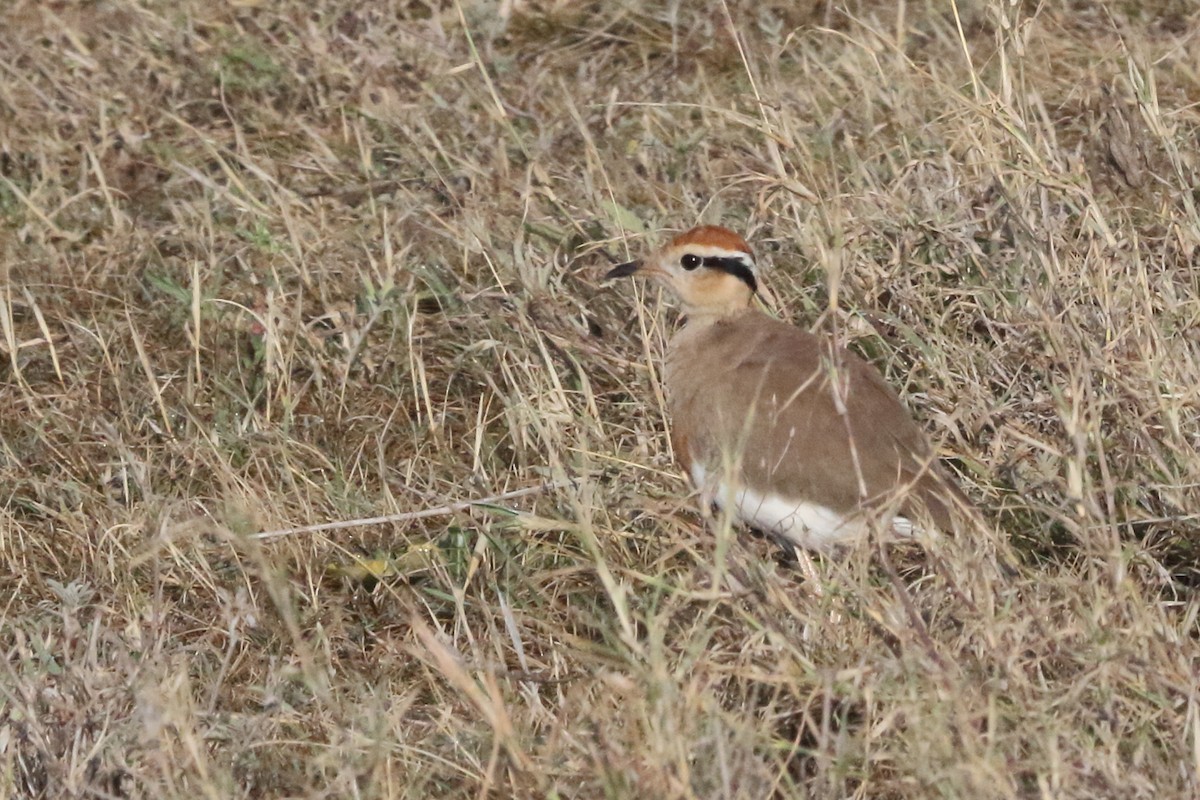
(710, 268)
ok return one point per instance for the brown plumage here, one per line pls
(798, 437)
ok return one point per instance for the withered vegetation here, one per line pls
(274, 264)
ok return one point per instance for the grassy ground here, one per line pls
(273, 264)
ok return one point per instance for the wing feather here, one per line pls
(813, 421)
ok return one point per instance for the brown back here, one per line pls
(814, 422)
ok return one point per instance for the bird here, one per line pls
(779, 427)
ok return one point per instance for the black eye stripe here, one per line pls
(735, 267)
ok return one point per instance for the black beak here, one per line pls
(623, 270)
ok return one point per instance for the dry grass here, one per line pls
(277, 264)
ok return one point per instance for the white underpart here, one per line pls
(808, 525)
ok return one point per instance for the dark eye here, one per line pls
(689, 261)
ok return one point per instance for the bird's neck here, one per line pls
(703, 316)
